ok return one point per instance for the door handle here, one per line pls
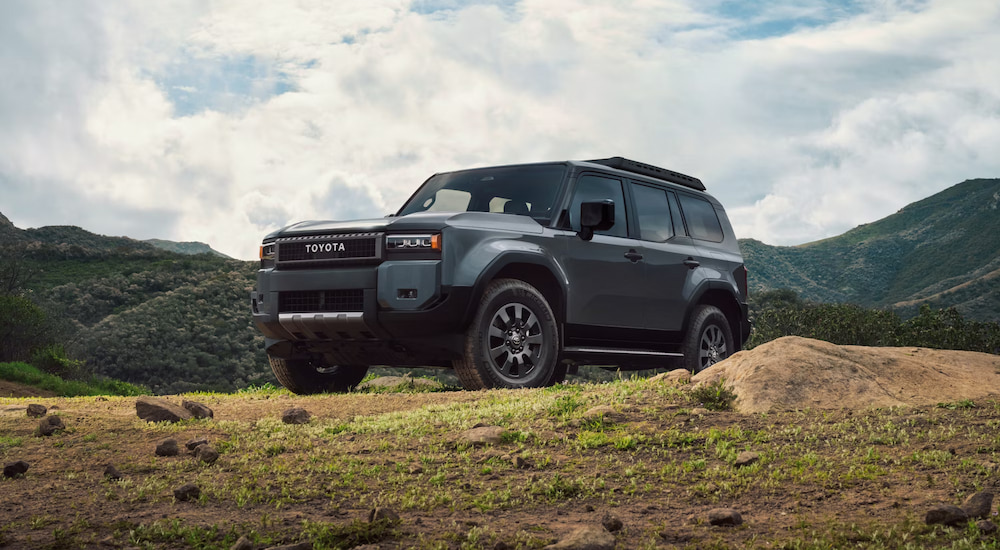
(633, 256)
(692, 263)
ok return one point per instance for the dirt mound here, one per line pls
(793, 373)
(13, 389)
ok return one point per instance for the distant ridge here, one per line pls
(188, 247)
(942, 251)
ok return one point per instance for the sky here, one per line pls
(220, 121)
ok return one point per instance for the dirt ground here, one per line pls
(862, 475)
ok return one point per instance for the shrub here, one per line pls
(714, 397)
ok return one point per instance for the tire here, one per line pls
(513, 341)
(708, 340)
(307, 376)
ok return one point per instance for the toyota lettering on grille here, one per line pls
(317, 248)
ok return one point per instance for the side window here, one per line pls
(595, 188)
(702, 221)
(654, 213)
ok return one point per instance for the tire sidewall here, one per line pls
(703, 318)
(499, 294)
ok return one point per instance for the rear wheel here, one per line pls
(307, 376)
(709, 339)
(513, 341)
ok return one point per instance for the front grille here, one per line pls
(321, 301)
(335, 248)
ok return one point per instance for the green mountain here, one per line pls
(943, 251)
(189, 247)
(133, 311)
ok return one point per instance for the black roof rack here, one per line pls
(651, 171)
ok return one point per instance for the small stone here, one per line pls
(242, 543)
(588, 537)
(986, 527)
(112, 473)
(154, 409)
(207, 454)
(979, 505)
(167, 447)
(297, 546)
(746, 458)
(676, 377)
(15, 469)
(611, 523)
(37, 411)
(724, 517)
(946, 514)
(193, 444)
(700, 411)
(380, 514)
(501, 545)
(416, 469)
(186, 492)
(519, 463)
(295, 415)
(588, 508)
(50, 425)
(484, 435)
(197, 410)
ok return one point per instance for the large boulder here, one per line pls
(154, 409)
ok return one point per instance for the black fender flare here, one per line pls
(515, 257)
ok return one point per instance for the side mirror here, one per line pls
(596, 216)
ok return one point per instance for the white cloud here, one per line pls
(227, 122)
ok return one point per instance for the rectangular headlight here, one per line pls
(413, 242)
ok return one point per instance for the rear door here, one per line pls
(668, 255)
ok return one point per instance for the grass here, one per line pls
(824, 479)
(23, 373)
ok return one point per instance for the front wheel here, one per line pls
(513, 341)
(708, 340)
(307, 376)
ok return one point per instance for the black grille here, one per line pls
(316, 301)
(329, 248)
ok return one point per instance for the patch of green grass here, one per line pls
(714, 396)
(23, 373)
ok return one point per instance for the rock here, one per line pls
(501, 545)
(297, 546)
(946, 514)
(724, 517)
(416, 469)
(186, 492)
(15, 469)
(242, 543)
(37, 411)
(604, 413)
(700, 411)
(986, 527)
(979, 505)
(50, 425)
(154, 409)
(193, 444)
(112, 473)
(676, 377)
(519, 463)
(746, 458)
(295, 415)
(207, 454)
(588, 537)
(611, 523)
(379, 514)
(484, 435)
(197, 410)
(167, 447)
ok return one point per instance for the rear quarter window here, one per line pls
(702, 221)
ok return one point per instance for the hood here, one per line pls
(423, 221)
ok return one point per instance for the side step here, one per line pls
(620, 351)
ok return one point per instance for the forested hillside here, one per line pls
(133, 311)
(943, 251)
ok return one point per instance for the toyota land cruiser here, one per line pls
(509, 275)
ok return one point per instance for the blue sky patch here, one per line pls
(229, 84)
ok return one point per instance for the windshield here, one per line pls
(526, 190)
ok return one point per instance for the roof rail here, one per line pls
(652, 171)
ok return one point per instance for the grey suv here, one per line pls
(510, 275)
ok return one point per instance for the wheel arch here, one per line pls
(723, 298)
(536, 270)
